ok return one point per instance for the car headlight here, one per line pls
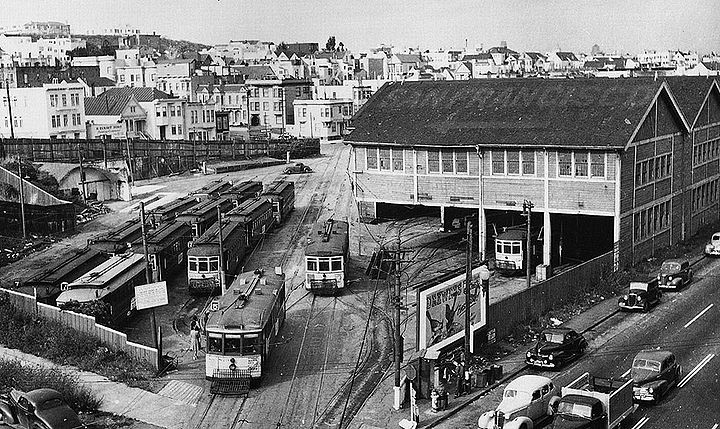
(650, 390)
(659, 277)
(670, 278)
(528, 354)
(551, 357)
(625, 297)
(639, 298)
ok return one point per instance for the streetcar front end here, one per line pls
(203, 274)
(324, 274)
(509, 256)
(233, 355)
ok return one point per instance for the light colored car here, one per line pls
(713, 247)
(529, 400)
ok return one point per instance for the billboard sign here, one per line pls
(151, 295)
(441, 311)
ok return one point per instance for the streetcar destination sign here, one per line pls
(151, 295)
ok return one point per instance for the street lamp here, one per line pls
(485, 279)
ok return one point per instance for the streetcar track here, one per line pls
(324, 367)
(205, 412)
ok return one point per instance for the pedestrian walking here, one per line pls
(195, 339)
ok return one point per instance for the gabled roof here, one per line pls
(97, 81)
(32, 194)
(566, 56)
(535, 55)
(255, 72)
(690, 92)
(143, 94)
(603, 113)
(480, 56)
(105, 106)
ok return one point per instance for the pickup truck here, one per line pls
(594, 403)
(528, 401)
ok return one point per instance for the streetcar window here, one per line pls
(336, 264)
(312, 265)
(324, 265)
(507, 248)
(251, 344)
(516, 248)
(214, 343)
(213, 264)
(498, 247)
(203, 265)
(233, 343)
(193, 265)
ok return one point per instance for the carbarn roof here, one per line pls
(600, 113)
(690, 93)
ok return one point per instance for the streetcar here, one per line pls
(167, 246)
(171, 210)
(204, 214)
(242, 325)
(211, 190)
(256, 216)
(45, 284)
(243, 191)
(119, 239)
(326, 257)
(281, 195)
(204, 257)
(510, 249)
(112, 282)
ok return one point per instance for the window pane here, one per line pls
(213, 264)
(372, 160)
(513, 162)
(433, 161)
(203, 266)
(564, 164)
(233, 343)
(397, 160)
(528, 163)
(193, 265)
(597, 167)
(498, 162)
(516, 248)
(251, 344)
(324, 265)
(507, 249)
(498, 247)
(214, 343)
(447, 162)
(581, 164)
(461, 162)
(337, 265)
(312, 265)
(385, 159)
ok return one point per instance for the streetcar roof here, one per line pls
(249, 187)
(114, 269)
(278, 187)
(337, 240)
(66, 268)
(163, 236)
(180, 204)
(205, 208)
(127, 231)
(207, 244)
(512, 234)
(238, 311)
(213, 187)
(250, 209)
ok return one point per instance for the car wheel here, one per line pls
(645, 308)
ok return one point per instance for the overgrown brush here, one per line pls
(65, 346)
(30, 377)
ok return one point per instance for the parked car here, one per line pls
(556, 347)
(641, 296)
(713, 247)
(528, 401)
(298, 168)
(654, 373)
(675, 273)
(37, 409)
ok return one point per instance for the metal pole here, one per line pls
(148, 273)
(82, 176)
(468, 280)
(12, 127)
(396, 298)
(528, 262)
(22, 195)
(221, 271)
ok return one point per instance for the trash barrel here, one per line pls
(497, 372)
(489, 375)
(480, 378)
(443, 401)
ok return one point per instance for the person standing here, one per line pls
(195, 337)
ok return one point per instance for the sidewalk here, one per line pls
(378, 412)
(117, 398)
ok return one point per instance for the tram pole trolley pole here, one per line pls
(148, 275)
(398, 351)
(221, 271)
(468, 280)
(527, 211)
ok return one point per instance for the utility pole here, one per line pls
(148, 273)
(22, 195)
(221, 271)
(82, 175)
(398, 338)
(12, 128)
(527, 211)
(468, 280)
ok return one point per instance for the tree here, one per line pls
(341, 47)
(330, 45)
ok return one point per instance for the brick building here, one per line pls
(603, 161)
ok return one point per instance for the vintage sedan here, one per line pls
(641, 296)
(654, 373)
(674, 274)
(556, 347)
(298, 168)
(713, 247)
(37, 409)
(528, 401)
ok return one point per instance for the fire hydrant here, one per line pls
(434, 400)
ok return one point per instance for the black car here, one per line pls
(642, 295)
(675, 273)
(40, 408)
(654, 373)
(556, 347)
(298, 168)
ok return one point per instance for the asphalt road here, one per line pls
(685, 322)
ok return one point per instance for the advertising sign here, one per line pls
(441, 311)
(115, 131)
(151, 295)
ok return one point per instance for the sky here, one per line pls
(622, 26)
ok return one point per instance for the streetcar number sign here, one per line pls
(151, 295)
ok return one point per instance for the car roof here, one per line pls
(39, 396)
(557, 330)
(528, 383)
(676, 260)
(656, 355)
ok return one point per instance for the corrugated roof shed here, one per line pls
(532, 112)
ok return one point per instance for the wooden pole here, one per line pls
(468, 280)
(221, 271)
(22, 196)
(148, 273)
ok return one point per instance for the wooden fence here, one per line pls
(532, 303)
(109, 337)
(152, 158)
